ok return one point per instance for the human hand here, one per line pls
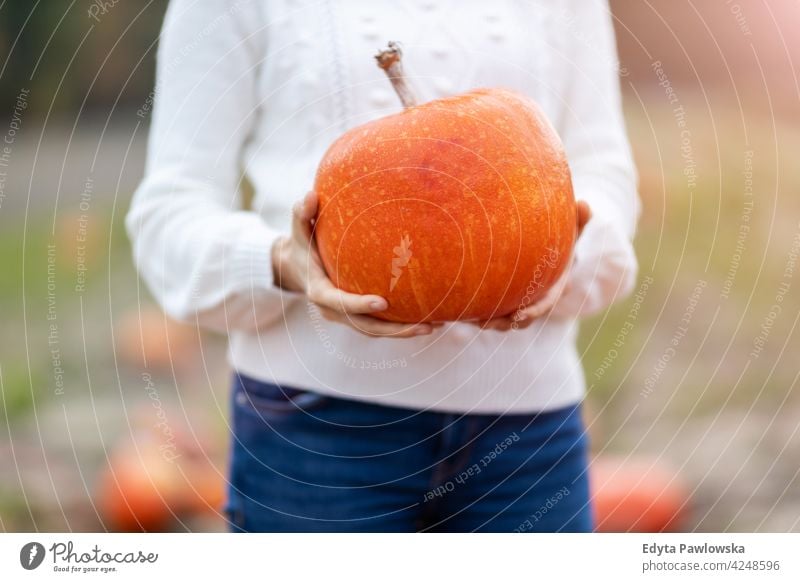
(522, 318)
(298, 267)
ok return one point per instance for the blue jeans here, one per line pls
(303, 461)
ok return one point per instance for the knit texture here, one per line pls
(261, 88)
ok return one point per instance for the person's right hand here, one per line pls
(297, 267)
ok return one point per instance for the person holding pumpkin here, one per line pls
(342, 421)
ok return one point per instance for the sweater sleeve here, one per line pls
(593, 131)
(201, 255)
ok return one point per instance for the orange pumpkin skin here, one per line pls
(460, 208)
(637, 495)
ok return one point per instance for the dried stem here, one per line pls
(390, 60)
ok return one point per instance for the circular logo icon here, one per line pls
(31, 555)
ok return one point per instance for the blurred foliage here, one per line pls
(27, 373)
(64, 56)
(691, 235)
(18, 390)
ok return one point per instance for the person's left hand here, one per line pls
(522, 318)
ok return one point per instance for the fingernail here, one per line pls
(423, 330)
(378, 305)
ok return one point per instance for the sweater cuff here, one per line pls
(606, 203)
(250, 262)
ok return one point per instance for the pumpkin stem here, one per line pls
(390, 60)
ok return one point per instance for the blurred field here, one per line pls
(726, 421)
(61, 435)
(697, 370)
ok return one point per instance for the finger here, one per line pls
(513, 322)
(520, 319)
(525, 317)
(379, 328)
(583, 214)
(523, 324)
(482, 323)
(502, 322)
(534, 311)
(303, 212)
(497, 324)
(322, 292)
(313, 254)
(546, 303)
(301, 224)
(376, 327)
(310, 204)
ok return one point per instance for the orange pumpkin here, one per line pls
(636, 495)
(459, 208)
(137, 489)
(148, 338)
(145, 489)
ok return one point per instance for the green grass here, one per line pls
(28, 292)
(697, 242)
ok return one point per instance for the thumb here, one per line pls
(582, 215)
(303, 212)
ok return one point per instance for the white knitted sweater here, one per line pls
(262, 87)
